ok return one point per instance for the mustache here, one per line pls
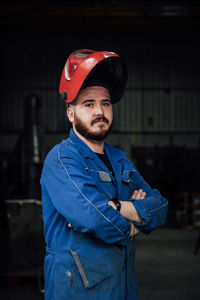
(100, 119)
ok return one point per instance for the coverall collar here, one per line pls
(113, 153)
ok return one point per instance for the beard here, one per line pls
(89, 134)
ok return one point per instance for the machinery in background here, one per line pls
(28, 153)
(175, 172)
(23, 247)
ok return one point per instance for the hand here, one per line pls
(134, 230)
(111, 203)
(137, 195)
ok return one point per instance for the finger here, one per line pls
(143, 195)
(139, 194)
(134, 194)
(111, 203)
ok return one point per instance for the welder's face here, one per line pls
(92, 115)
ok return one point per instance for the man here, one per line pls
(94, 200)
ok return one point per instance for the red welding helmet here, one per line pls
(88, 67)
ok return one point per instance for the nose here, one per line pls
(99, 110)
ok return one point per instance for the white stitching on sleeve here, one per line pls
(85, 196)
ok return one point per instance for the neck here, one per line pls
(95, 146)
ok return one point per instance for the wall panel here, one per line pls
(163, 93)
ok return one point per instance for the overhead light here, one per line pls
(172, 10)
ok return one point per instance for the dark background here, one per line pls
(157, 123)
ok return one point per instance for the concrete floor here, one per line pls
(165, 264)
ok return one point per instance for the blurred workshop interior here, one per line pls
(157, 124)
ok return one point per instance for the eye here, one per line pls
(89, 105)
(106, 104)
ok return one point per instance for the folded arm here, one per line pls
(146, 209)
(129, 212)
(77, 198)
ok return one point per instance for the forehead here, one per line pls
(93, 93)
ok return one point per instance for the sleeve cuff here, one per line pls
(143, 213)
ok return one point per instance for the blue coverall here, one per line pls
(95, 261)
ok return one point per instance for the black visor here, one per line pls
(110, 73)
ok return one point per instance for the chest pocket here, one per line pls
(129, 183)
(104, 182)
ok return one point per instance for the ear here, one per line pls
(70, 114)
